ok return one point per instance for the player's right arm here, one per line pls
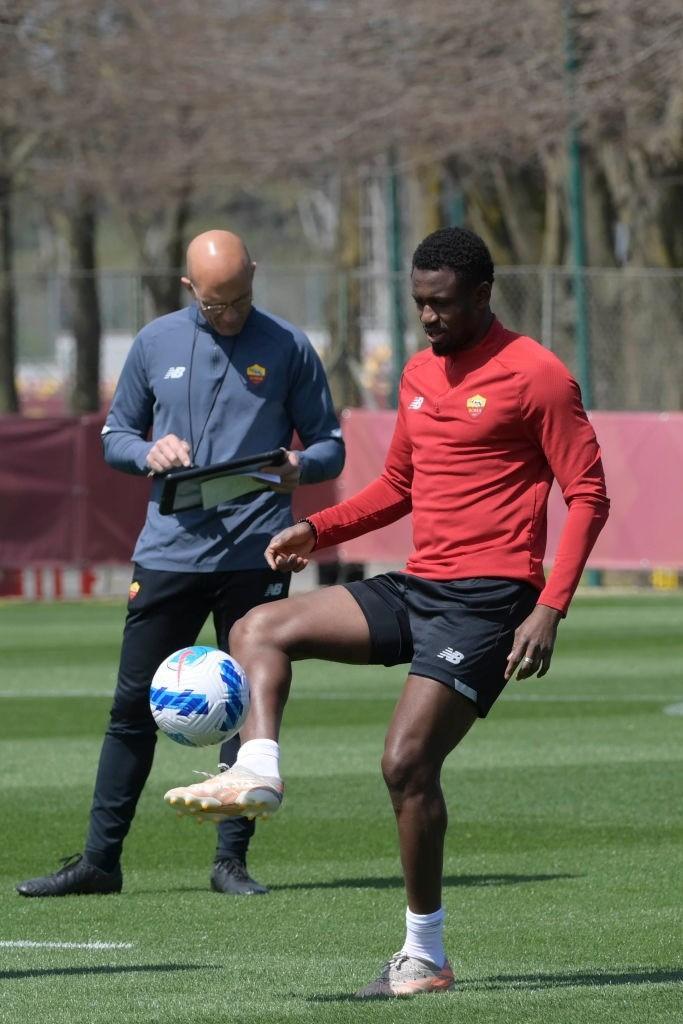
(288, 551)
(382, 502)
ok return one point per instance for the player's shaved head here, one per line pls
(216, 256)
(219, 276)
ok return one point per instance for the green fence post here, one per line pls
(576, 215)
(577, 232)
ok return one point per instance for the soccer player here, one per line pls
(215, 381)
(487, 418)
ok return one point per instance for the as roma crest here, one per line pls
(475, 406)
(256, 374)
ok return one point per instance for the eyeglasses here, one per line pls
(216, 308)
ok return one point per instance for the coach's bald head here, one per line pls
(220, 274)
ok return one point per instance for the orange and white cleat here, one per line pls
(405, 975)
(233, 793)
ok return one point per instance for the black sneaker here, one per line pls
(75, 878)
(231, 876)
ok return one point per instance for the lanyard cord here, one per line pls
(193, 449)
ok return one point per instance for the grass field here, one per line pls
(563, 853)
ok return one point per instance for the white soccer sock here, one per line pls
(260, 756)
(424, 936)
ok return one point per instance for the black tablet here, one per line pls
(206, 486)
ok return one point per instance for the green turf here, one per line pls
(563, 853)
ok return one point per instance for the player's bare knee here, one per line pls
(396, 771)
(267, 625)
(251, 630)
(407, 768)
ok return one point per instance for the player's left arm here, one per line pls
(310, 408)
(557, 420)
(534, 643)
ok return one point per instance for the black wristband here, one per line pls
(309, 523)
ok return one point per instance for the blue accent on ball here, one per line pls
(179, 738)
(183, 702)
(234, 706)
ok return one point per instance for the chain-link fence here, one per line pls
(633, 331)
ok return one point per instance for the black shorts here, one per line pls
(459, 632)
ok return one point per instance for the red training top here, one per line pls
(478, 439)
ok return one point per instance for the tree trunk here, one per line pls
(344, 358)
(9, 398)
(430, 217)
(599, 213)
(520, 201)
(85, 307)
(164, 284)
(645, 321)
(485, 216)
(554, 245)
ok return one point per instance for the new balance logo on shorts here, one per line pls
(416, 402)
(273, 590)
(174, 373)
(451, 656)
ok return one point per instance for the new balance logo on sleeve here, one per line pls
(273, 590)
(451, 656)
(416, 402)
(174, 373)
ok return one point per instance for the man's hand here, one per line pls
(169, 452)
(289, 473)
(288, 549)
(534, 643)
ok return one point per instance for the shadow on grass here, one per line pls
(52, 972)
(396, 882)
(529, 982)
(633, 976)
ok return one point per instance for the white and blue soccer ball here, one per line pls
(199, 696)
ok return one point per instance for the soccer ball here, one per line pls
(199, 696)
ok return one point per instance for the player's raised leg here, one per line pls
(326, 624)
(429, 721)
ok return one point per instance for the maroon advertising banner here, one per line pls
(60, 504)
